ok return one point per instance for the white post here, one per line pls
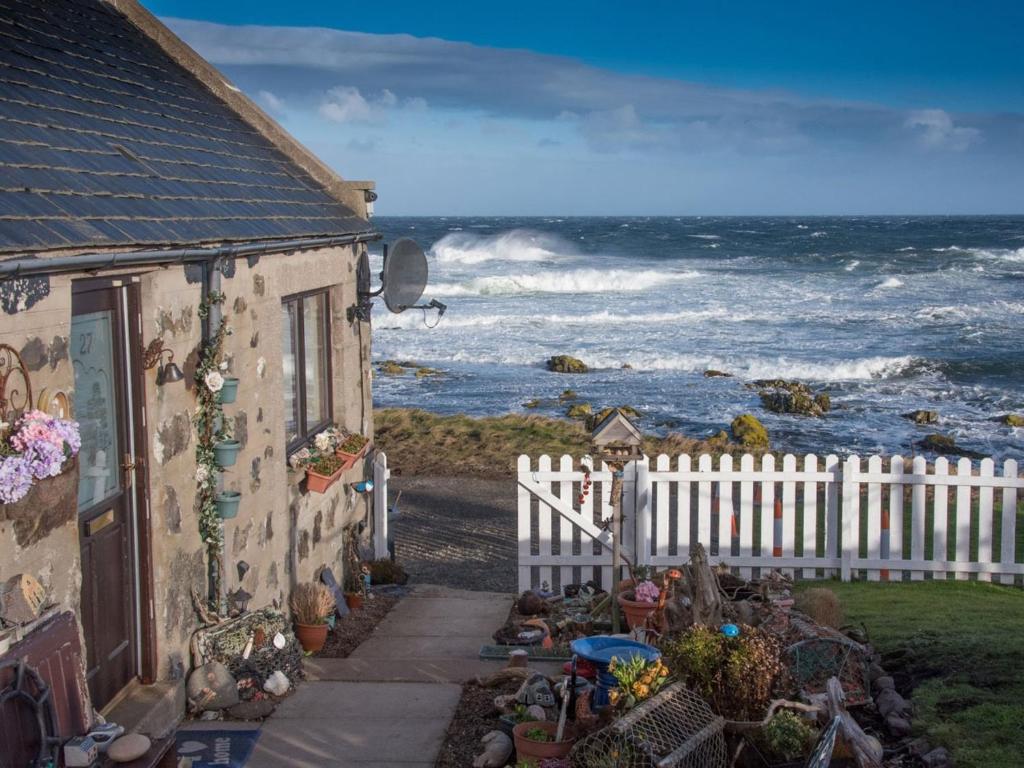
(381, 474)
(643, 492)
(851, 516)
(523, 469)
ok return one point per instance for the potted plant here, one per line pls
(311, 604)
(226, 452)
(322, 471)
(351, 447)
(229, 390)
(355, 588)
(535, 741)
(227, 504)
(510, 720)
(639, 602)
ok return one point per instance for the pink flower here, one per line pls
(646, 592)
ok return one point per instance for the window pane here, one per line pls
(92, 353)
(289, 331)
(314, 319)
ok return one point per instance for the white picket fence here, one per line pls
(812, 518)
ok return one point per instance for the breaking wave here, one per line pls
(890, 282)
(515, 245)
(573, 281)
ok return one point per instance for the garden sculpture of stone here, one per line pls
(537, 690)
(212, 686)
(497, 750)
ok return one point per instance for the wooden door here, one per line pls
(104, 335)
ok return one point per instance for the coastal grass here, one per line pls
(423, 443)
(961, 644)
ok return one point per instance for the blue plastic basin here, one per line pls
(600, 649)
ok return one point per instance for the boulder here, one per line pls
(944, 444)
(898, 726)
(253, 710)
(579, 411)
(390, 368)
(781, 396)
(749, 432)
(711, 373)
(212, 686)
(566, 364)
(922, 417)
(891, 703)
(531, 404)
(1013, 420)
(937, 758)
(424, 371)
(568, 394)
(885, 683)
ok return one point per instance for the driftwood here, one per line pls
(746, 726)
(503, 676)
(867, 751)
(704, 590)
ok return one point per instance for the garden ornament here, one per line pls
(730, 630)
(277, 684)
(537, 690)
(497, 750)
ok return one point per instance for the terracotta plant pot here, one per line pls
(226, 452)
(311, 636)
(227, 504)
(229, 392)
(353, 600)
(532, 752)
(636, 612)
(317, 483)
(350, 459)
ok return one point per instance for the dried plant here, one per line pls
(311, 603)
(822, 605)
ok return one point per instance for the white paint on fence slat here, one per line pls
(850, 490)
(746, 514)
(683, 542)
(767, 506)
(940, 516)
(565, 574)
(725, 509)
(606, 515)
(963, 516)
(985, 550)
(1008, 531)
(896, 515)
(788, 509)
(523, 527)
(704, 504)
(874, 518)
(810, 517)
(664, 513)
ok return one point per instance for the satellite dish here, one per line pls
(405, 275)
(403, 280)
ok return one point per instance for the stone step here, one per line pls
(153, 710)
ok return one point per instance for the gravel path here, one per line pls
(457, 531)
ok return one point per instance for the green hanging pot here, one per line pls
(227, 504)
(226, 452)
(229, 392)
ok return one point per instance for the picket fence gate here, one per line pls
(813, 518)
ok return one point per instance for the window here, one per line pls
(305, 342)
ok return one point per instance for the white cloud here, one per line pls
(271, 102)
(935, 129)
(346, 104)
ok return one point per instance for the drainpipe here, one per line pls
(217, 571)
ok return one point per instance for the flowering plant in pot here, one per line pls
(311, 604)
(32, 448)
(640, 601)
(351, 447)
(323, 467)
(637, 679)
(535, 741)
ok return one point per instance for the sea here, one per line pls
(886, 314)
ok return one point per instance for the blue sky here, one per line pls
(657, 107)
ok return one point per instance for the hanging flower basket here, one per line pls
(226, 452)
(229, 390)
(227, 504)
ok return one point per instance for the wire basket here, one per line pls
(674, 729)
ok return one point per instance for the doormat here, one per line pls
(216, 749)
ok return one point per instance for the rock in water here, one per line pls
(579, 411)
(922, 417)
(1013, 420)
(128, 748)
(277, 684)
(711, 373)
(781, 396)
(567, 364)
(212, 686)
(749, 432)
(944, 444)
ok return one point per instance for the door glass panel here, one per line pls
(314, 312)
(92, 354)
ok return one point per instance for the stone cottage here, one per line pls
(135, 184)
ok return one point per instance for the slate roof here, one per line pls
(107, 141)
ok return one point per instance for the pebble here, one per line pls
(937, 758)
(128, 748)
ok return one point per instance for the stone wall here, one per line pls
(284, 534)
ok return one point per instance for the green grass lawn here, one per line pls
(964, 643)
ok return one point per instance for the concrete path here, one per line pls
(390, 702)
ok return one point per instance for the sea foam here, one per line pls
(572, 281)
(515, 245)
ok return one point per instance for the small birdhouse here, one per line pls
(616, 440)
